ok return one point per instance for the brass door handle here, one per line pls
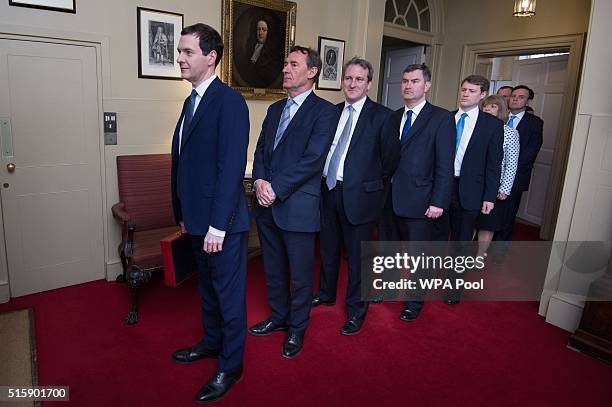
(10, 167)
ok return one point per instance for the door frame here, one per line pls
(575, 44)
(101, 46)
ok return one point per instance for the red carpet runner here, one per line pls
(473, 354)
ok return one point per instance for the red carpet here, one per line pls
(475, 353)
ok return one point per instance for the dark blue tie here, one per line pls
(407, 126)
(460, 126)
(189, 107)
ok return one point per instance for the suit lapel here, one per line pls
(301, 112)
(275, 115)
(207, 98)
(419, 124)
(364, 118)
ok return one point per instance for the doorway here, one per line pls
(554, 78)
(396, 55)
(50, 170)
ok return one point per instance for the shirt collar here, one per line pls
(472, 113)
(518, 115)
(417, 109)
(299, 99)
(358, 105)
(201, 88)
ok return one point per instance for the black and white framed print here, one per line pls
(158, 36)
(332, 57)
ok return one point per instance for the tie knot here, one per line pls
(289, 102)
(464, 115)
(193, 94)
(409, 113)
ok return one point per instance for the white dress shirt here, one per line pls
(358, 106)
(517, 119)
(468, 129)
(415, 112)
(200, 89)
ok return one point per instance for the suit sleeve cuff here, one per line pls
(216, 232)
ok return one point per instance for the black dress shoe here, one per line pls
(293, 345)
(265, 328)
(218, 386)
(352, 326)
(316, 301)
(190, 355)
(409, 315)
(451, 302)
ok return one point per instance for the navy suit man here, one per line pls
(477, 166)
(294, 140)
(422, 183)
(530, 129)
(208, 161)
(359, 165)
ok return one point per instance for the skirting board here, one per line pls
(563, 314)
(5, 293)
(113, 270)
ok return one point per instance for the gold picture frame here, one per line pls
(257, 35)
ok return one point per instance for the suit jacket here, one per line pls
(424, 175)
(207, 175)
(530, 130)
(370, 161)
(294, 168)
(481, 166)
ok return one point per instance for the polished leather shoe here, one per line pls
(218, 386)
(451, 302)
(352, 326)
(316, 301)
(293, 345)
(265, 328)
(190, 355)
(409, 315)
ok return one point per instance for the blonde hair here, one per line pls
(500, 102)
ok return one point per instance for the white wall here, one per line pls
(586, 204)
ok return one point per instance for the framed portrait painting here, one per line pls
(257, 35)
(332, 58)
(158, 36)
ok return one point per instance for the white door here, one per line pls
(546, 76)
(52, 199)
(395, 63)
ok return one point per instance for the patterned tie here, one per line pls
(407, 126)
(460, 126)
(511, 121)
(189, 107)
(284, 122)
(334, 163)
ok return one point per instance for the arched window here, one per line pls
(409, 13)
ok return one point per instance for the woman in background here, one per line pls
(487, 225)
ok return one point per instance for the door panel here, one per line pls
(395, 63)
(52, 207)
(546, 76)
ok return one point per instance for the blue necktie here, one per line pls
(284, 122)
(334, 163)
(460, 126)
(511, 121)
(189, 107)
(407, 126)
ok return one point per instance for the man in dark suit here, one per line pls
(294, 140)
(421, 186)
(359, 165)
(530, 129)
(477, 166)
(208, 162)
